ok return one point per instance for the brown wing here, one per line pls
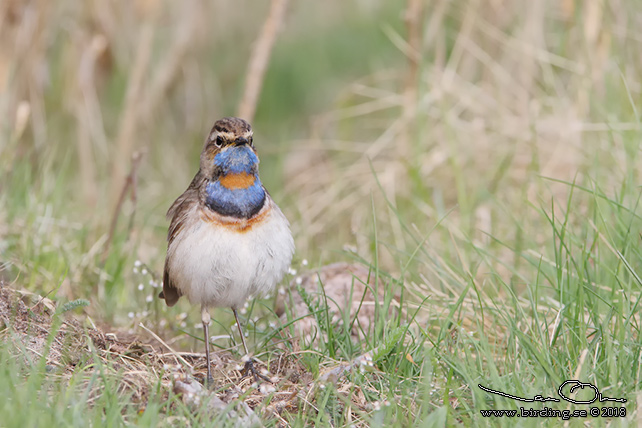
(178, 215)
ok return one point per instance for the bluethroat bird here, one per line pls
(227, 240)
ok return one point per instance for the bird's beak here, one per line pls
(241, 141)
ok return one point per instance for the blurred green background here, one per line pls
(363, 127)
(87, 85)
(354, 115)
(453, 144)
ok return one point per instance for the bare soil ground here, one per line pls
(27, 321)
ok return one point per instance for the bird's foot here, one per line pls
(249, 368)
(208, 382)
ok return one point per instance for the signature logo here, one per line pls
(561, 391)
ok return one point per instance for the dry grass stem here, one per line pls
(175, 58)
(89, 122)
(130, 116)
(169, 348)
(260, 58)
(414, 26)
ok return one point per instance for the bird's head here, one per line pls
(229, 149)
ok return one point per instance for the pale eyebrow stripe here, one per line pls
(226, 135)
(229, 135)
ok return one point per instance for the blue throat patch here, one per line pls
(236, 160)
(242, 203)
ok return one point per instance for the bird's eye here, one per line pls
(219, 141)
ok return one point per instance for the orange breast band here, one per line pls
(237, 181)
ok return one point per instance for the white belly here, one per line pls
(215, 266)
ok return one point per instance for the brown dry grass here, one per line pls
(140, 361)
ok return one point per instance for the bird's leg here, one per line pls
(249, 364)
(205, 317)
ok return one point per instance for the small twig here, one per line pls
(42, 299)
(188, 354)
(362, 361)
(130, 182)
(260, 58)
(176, 354)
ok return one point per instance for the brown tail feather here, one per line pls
(170, 293)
